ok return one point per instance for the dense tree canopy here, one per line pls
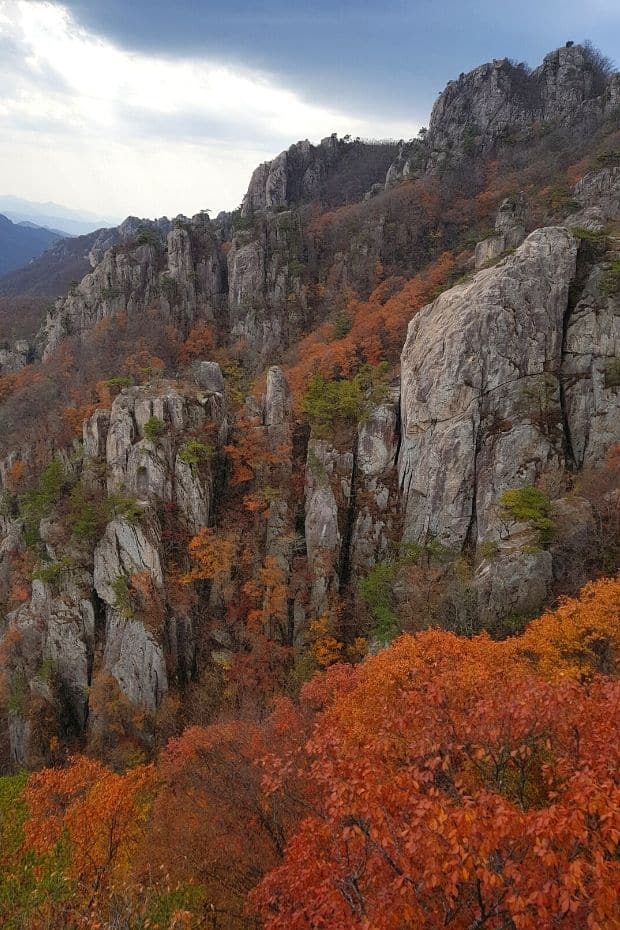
(444, 782)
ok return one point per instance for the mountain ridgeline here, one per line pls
(382, 395)
(21, 242)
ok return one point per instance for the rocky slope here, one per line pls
(258, 275)
(461, 477)
(142, 263)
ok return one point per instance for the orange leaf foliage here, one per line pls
(461, 784)
(75, 416)
(377, 331)
(443, 782)
(212, 556)
(102, 814)
(200, 342)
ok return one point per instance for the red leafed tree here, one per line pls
(200, 342)
(458, 787)
(214, 823)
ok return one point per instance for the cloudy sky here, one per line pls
(165, 106)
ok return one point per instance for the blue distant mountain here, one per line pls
(19, 244)
(53, 216)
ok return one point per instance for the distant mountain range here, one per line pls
(53, 216)
(59, 232)
(19, 244)
(51, 272)
(44, 246)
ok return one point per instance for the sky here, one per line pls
(160, 107)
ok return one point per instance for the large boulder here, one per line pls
(480, 402)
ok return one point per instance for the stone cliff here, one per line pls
(462, 478)
(175, 267)
(502, 102)
(335, 172)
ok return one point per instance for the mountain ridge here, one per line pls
(20, 244)
(50, 214)
(331, 421)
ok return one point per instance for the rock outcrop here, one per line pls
(140, 455)
(590, 372)
(14, 357)
(132, 654)
(570, 88)
(329, 475)
(181, 275)
(327, 173)
(509, 231)
(267, 299)
(376, 504)
(54, 633)
(505, 385)
(160, 466)
(598, 195)
(479, 367)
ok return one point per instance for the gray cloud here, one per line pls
(390, 58)
(330, 65)
(196, 128)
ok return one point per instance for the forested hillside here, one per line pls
(283, 494)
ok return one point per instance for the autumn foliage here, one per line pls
(462, 783)
(100, 813)
(375, 329)
(200, 342)
(212, 557)
(444, 782)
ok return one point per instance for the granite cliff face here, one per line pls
(503, 102)
(295, 175)
(470, 364)
(505, 383)
(335, 172)
(569, 89)
(79, 618)
(176, 268)
(508, 383)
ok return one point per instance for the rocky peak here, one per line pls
(173, 266)
(333, 172)
(567, 78)
(292, 176)
(128, 231)
(570, 87)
